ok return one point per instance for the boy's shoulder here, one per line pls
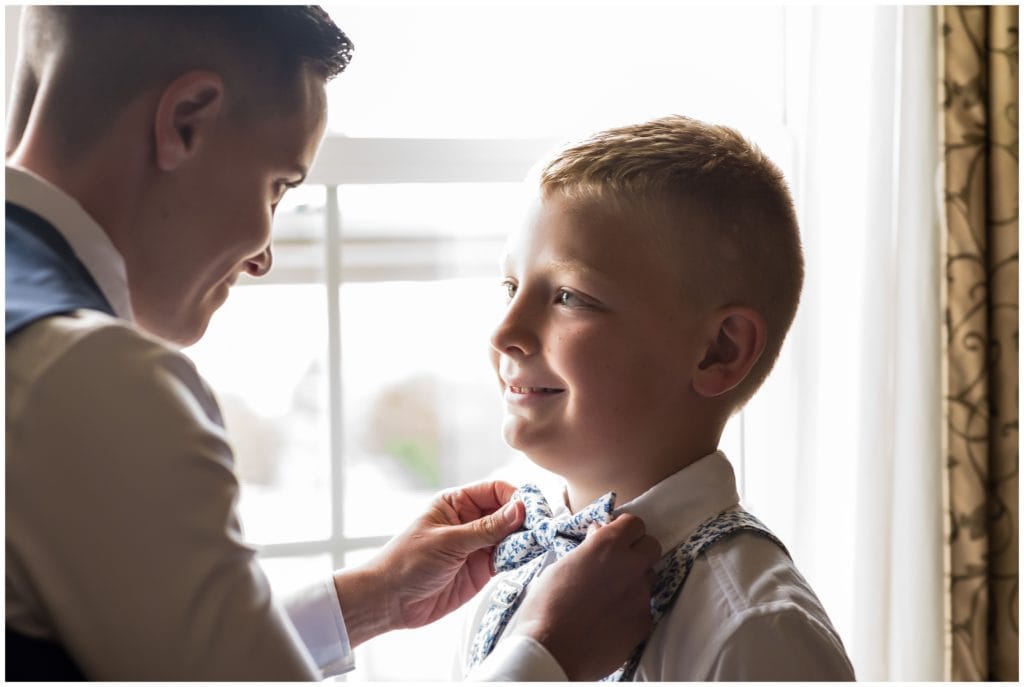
(745, 613)
(746, 572)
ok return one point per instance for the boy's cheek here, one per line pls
(495, 358)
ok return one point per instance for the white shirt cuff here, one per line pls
(316, 614)
(518, 658)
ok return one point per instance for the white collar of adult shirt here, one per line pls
(674, 507)
(86, 237)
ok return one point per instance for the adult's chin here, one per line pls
(180, 328)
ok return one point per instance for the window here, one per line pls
(354, 378)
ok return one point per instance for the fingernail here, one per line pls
(511, 512)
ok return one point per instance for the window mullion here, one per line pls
(333, 277)
(318, 546)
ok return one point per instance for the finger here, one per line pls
(621, 531)
(488, 496)
(503, 491)
(486, 531)
(648, 548)
(628, 526)
(651, 578)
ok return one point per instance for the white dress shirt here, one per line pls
(745, 612)
(123, 543)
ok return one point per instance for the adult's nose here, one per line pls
(260, 264)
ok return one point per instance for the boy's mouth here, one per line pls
(534, 390)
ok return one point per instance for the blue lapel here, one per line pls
(43, 276)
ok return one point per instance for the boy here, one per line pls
(648, 297)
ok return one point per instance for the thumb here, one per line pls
(488, 530)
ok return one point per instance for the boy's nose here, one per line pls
(515, 333)
(260, 264)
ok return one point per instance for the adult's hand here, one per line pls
(593, 607)
(441, 561)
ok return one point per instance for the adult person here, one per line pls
(147, 150)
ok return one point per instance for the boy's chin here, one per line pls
(512, 435)
(526, 435)
(541, 447)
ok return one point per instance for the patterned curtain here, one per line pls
(980, 118)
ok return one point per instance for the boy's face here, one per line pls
(217, 216)
(596, 349)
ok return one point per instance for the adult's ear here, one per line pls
(738, 335)
(185, 113)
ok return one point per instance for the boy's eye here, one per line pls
(509, 289)
(569, 299)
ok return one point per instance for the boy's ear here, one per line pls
(187, 108)
(739, 336)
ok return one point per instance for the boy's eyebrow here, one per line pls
(575, 267)
(568, 265)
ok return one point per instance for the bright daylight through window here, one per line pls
(354, 378)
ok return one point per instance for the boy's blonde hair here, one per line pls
(727, 205)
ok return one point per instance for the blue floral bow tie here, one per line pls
(543, 532)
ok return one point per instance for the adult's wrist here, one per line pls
(542, 633)
(519, 658)
(366, 603)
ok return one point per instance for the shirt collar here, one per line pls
(86, 237)
(674, 507)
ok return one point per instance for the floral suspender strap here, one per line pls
(504, 601)
(675, 566)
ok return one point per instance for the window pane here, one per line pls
(546, 70)
(264, 356)
(288, 574)
(426, 231)
(466, 210)
(421, 404)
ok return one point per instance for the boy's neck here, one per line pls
(631, 483)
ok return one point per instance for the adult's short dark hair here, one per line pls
(101, 57)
